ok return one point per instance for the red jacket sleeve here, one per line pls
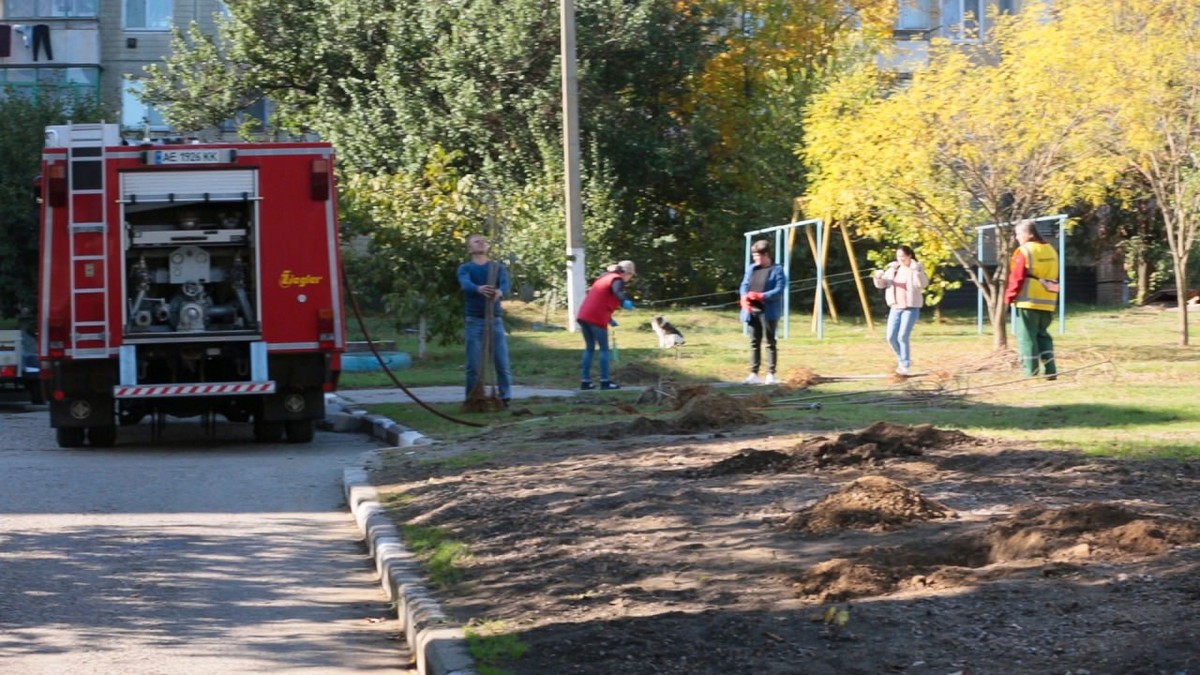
(1016, 276)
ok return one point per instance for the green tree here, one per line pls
(989, 133)
(410, 231)
(23, 120)
(478, 78)
(1145, 68)
(687, 117)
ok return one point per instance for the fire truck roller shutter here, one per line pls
(162, 186)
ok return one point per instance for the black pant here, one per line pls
(758, 328)
(41, 38)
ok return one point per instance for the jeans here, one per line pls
(41, 38)
(899, 328)
(474, 336)
(1034, 344)
(760, 328)
(594, 336)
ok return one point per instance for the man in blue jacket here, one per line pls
(484, 283)
(762, 292)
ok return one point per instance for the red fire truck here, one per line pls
(187, 280)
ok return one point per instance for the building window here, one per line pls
(915, 15)
(256, 115)
(962, 20)
(148, 14)
(75, 82)
(49, 9)
(136, 115)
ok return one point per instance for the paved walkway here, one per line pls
(446, 394)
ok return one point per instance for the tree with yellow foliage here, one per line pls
(1144, 67)
(987, 133)
(768, 58)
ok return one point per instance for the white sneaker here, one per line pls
(901, 370)
(771, 379)
(752, 379)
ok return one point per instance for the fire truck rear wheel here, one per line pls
(102, 437)
(299, 431)
(268, 432)
(70, 437)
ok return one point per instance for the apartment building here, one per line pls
(94, 47)
(920, 21)
(1093, 276)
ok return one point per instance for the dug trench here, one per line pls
(714, 541)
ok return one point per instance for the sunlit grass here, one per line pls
(442, 556)
(491, 643)
(1127, 389)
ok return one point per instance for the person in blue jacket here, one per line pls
(762, 292)
(484, 283)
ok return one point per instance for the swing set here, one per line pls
(818, 233)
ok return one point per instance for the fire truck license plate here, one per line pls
(192, 156)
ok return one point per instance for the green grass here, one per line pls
(441, 555)
(1127, 388)
(491, 645)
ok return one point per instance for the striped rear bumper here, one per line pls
(206, 389)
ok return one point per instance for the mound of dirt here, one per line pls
(667, 393)
(801, 378)
(610, 557)
(715, 411)
(636, 373)
(1055, 541)
(1079, 531)
(877, 570)
(686, 394)
(872, 503)
(642, 426)
(878, 442)
(842, 578)
(748, 460)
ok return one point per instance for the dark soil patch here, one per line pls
(748, 460)
(651, 547)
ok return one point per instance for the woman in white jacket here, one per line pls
(903, 281)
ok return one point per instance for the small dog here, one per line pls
(668, 335)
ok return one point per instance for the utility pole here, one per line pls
(576, 257)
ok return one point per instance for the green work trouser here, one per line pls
(1034, 344)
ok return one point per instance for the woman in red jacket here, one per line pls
(595, 316)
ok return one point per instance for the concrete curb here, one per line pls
(353, 418)
(440, 647)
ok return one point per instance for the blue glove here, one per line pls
(628, 304)
(613, 323)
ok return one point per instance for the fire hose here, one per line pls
(375, 350)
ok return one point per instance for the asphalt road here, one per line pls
(185, 555)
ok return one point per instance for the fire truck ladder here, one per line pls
(88, 242)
